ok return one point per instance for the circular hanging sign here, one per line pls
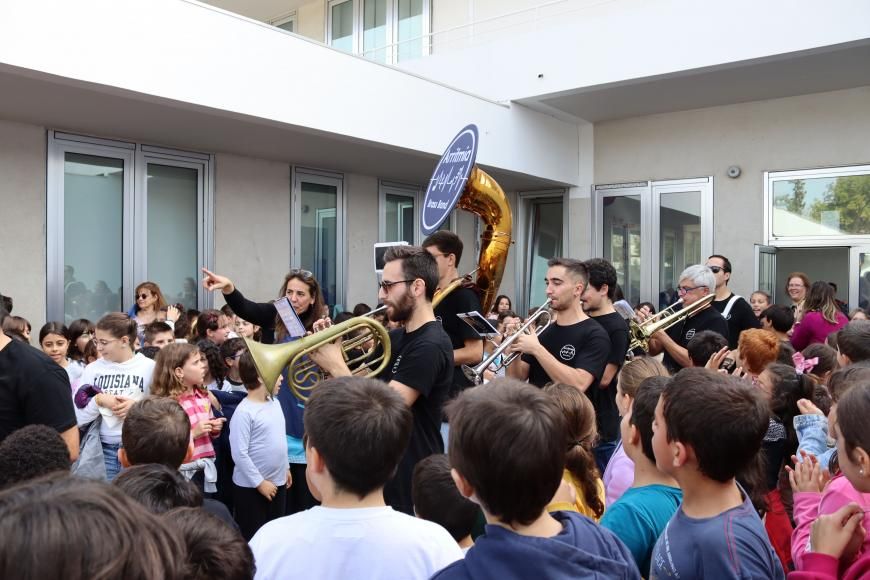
(448, 180)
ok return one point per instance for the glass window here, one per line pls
(545, 237)
(399, 218)
(410, 29)
(680, 235)
(93, 214)
(341, 26)
(622, 231)
(827, 205)
(375, 29)
(318, 250)
(173, 193)
(288, 24)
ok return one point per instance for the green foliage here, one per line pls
(850, 196)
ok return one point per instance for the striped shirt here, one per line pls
(198, 409)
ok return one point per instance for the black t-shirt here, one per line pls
(604, 398)
(459, 301)
(683, 331)
(739, 318)
(421, 360)
(583, 345)
(33, 390)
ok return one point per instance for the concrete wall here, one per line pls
(22, 207)
(252, 224)
(824, 129)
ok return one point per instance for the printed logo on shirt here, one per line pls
(396, 364)
(119, 384)
(567, 352)
(690, 334)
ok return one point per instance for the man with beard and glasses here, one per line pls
(574, 349)
(421, 360)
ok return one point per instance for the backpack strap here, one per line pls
(727, 312)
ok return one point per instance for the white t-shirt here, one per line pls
(363, 543)
(128, 379)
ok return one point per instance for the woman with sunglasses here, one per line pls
(302, 289)
(149, 303)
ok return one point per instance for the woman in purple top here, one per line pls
(821, 317)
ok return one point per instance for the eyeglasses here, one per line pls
(683, 290)
(385, 286)
(105, 343)
(300, 272)
(797, 286)
(717, 269)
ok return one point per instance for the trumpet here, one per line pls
(303, 375)
(640, 332)
(475, 374)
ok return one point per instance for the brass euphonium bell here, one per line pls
(303, 375)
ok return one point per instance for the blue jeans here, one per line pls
(110, 458)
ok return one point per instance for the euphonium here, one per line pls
(302, 375)
(484, 197)
(642, 331)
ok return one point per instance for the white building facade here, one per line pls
(140, 141)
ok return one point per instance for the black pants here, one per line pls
(299, 497)
(253, 510)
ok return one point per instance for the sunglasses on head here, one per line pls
(301, 272)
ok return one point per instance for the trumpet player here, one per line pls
(574, 349)
(696, 282)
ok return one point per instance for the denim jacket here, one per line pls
(812, 432)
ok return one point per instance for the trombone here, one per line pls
(640, 332)
(475, 374)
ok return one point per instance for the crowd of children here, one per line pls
(185, 469)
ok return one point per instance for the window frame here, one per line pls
(404, 190)
(522, 271)
(284, 18)
(390, 47)
(136, 156)
(770, 177)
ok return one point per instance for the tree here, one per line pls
(797, 202)
(850, 196)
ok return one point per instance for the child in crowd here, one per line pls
(157, 487)
(72, 528)
(213, 550)
(619, 474)
(779, 319)
(157, 430)
(261, 474)
(853, 342)
(436, 499)
(17, 327)
(213, 325)
(704, 345)
(247, 330)
(818, 361)
(356, 431)
(641, 514)
(580, 473)
(506, 450)
(179, 375)
(707, 427)
(31, 452)
(231, 351)
(111, 384)
(838, 542)
(158, 334)
(81, 334)
(54, 339)
(759, 300)
(215, 367)
(757, 348)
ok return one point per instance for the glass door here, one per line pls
(621, 240)
(859, 274)
(541, 232)
(318, 232)
(765, 269)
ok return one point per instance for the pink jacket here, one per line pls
(814, 328)
(808, 506)
(824, 567)
(618, 476)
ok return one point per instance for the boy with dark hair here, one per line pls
(704, 345)
(32, 452)
(779, 319)
(213, 551)
(597, 301)
(158, 487)
(159, 334)
(157, 430)
(853, 342)
(708, 427)
(356, 431)
(436, 499)
(506, 456)
(641, 514)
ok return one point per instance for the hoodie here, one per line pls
(581, 550)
